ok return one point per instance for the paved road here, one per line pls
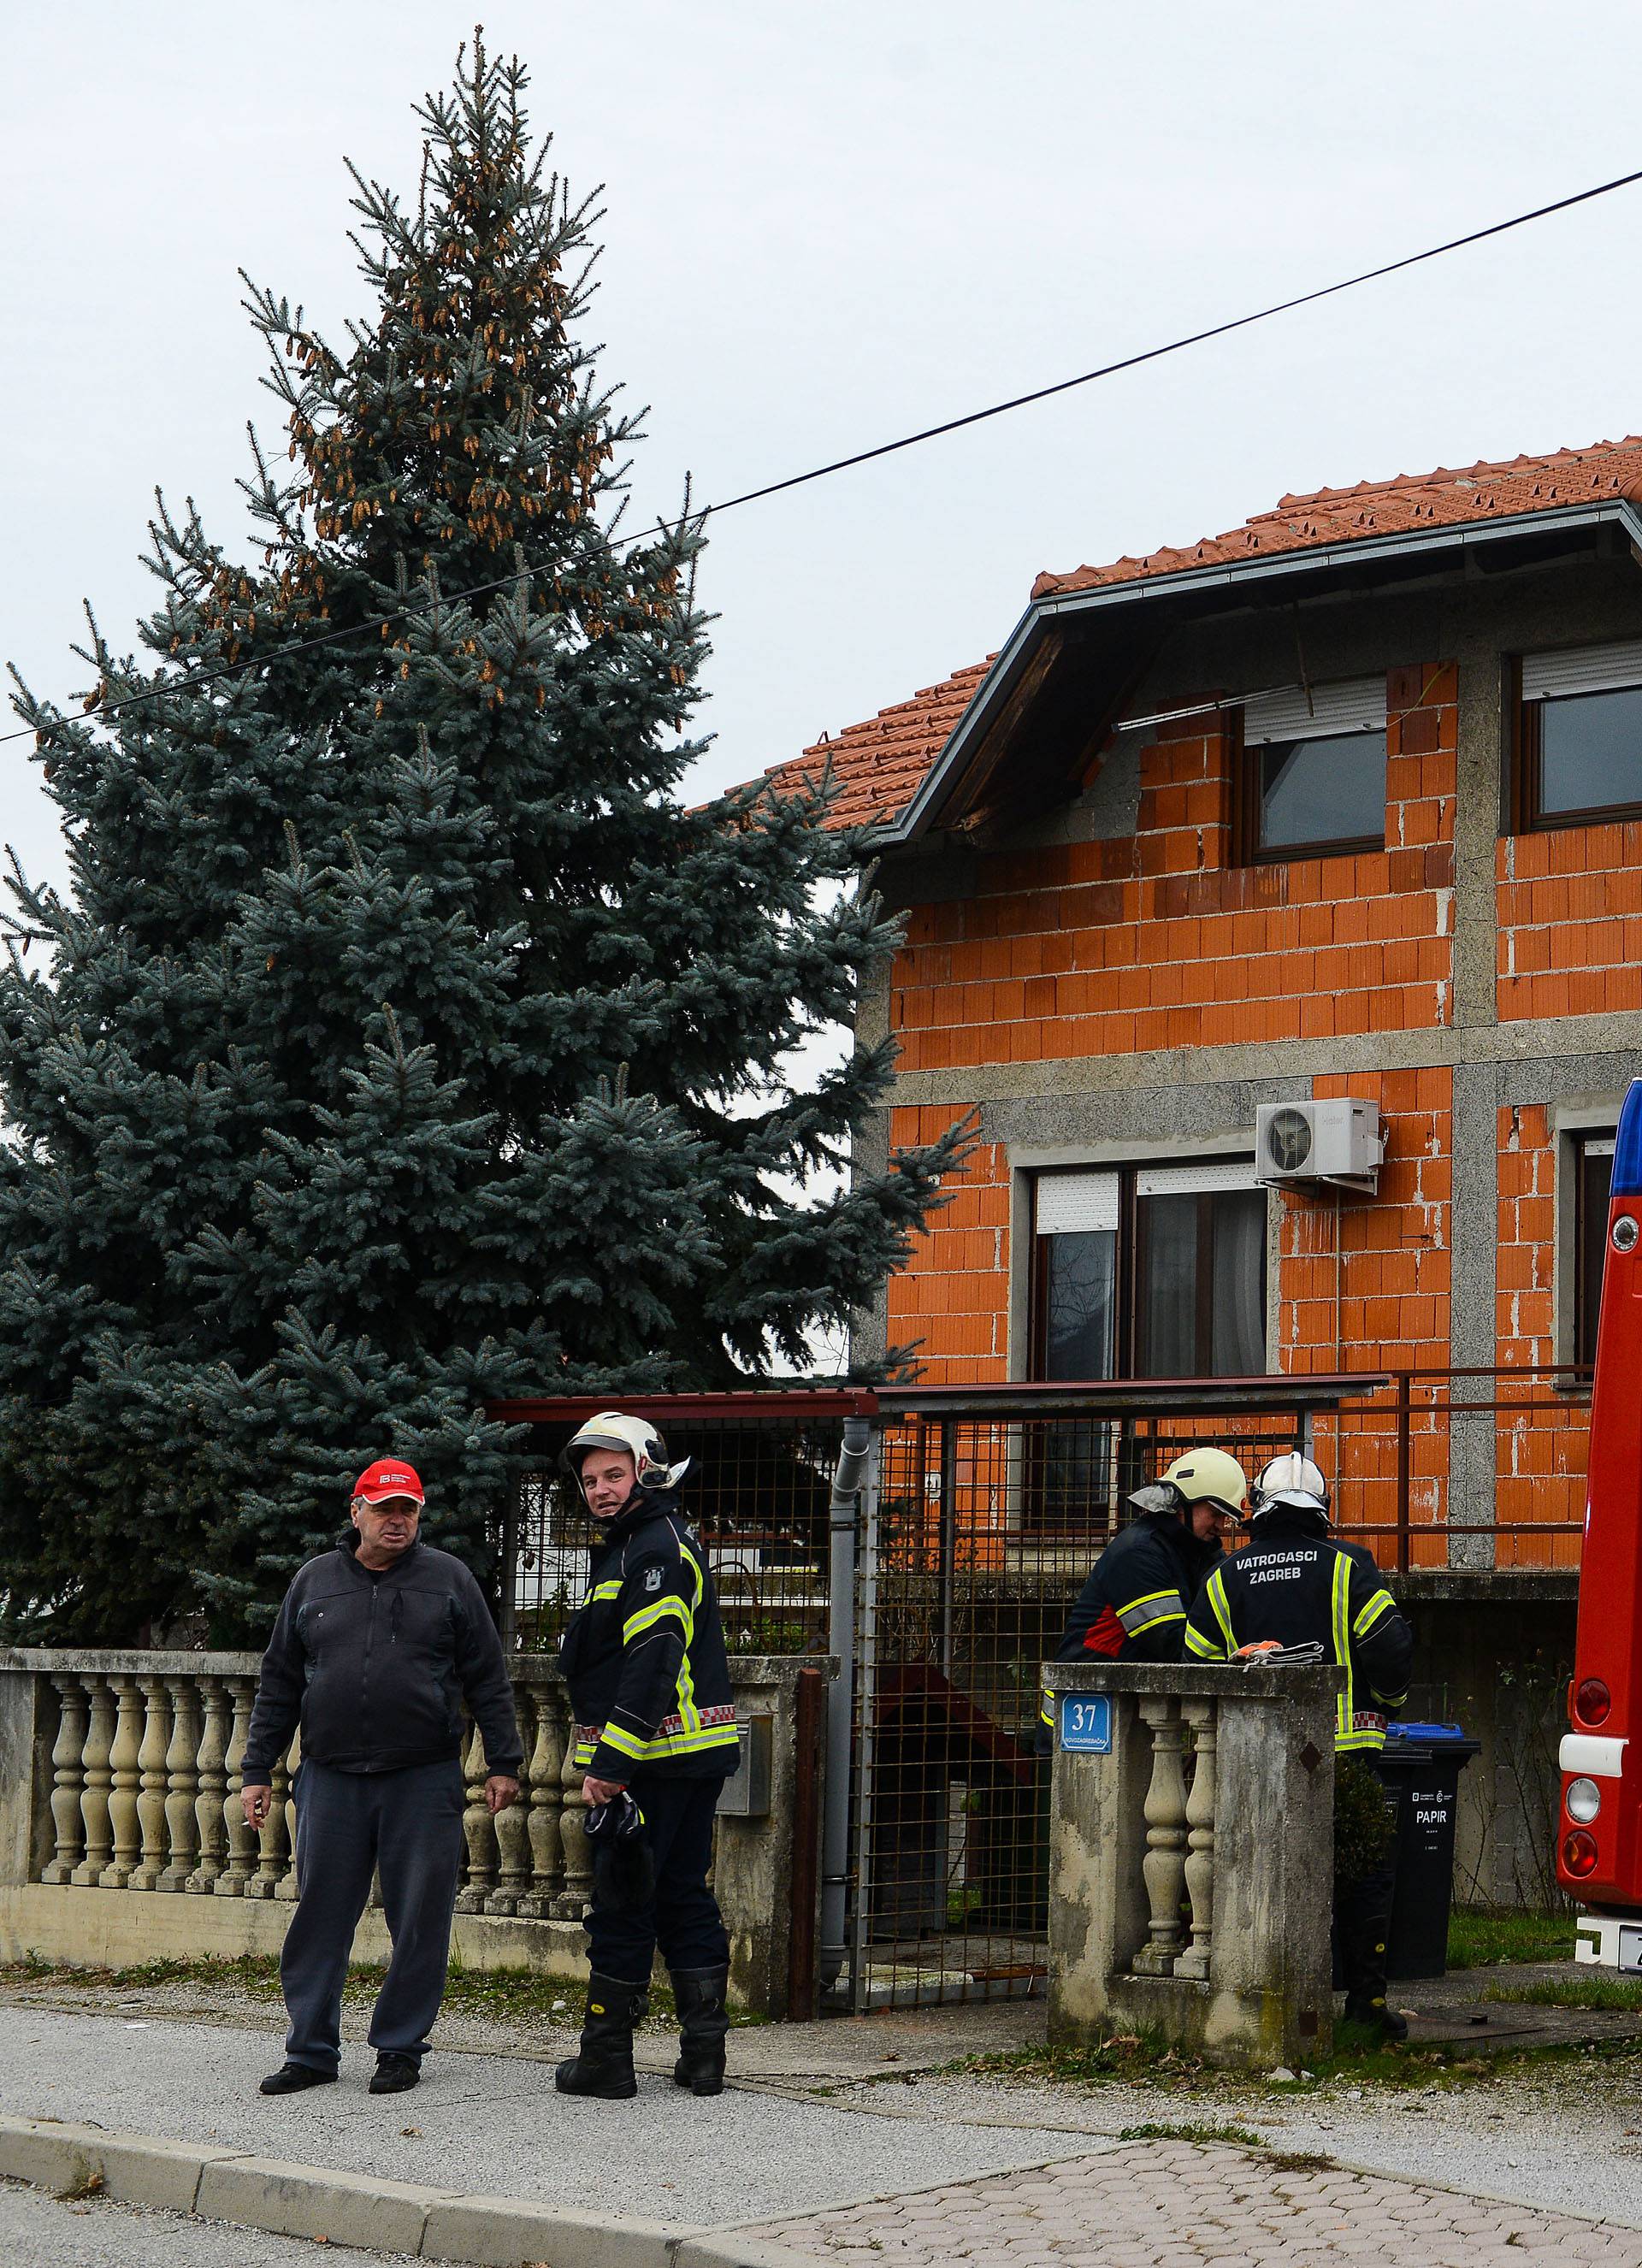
(1177, 2204)
(40, 2232)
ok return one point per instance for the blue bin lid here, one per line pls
(1424, 1733)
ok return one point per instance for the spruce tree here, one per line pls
(406, 1039)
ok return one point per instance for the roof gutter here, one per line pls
(920, 813)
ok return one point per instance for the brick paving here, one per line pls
(1184, 2204)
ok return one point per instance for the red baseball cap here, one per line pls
(385, 1478)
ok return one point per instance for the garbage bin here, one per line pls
(1423, 1763)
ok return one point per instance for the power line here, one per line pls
(186, 682)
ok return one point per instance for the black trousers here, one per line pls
(1365, 1883)
(683, 1918)
(408, 1825)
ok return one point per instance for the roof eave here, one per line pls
(922, 812)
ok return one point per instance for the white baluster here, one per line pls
(547, 1860)
(67, 1777)
(94, 1794)
(182, 1783)
(210, 1835)
(480, 1832)
(576, 1892)
(124, 1774)
(273, 1843)
(1200, 1715)
(285, 1888)
(1164, 1865)
(150, 1800)
(512, 1838)
(239, 1838)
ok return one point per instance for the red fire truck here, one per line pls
(1599, 1831)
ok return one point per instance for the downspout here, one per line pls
(846, 1488)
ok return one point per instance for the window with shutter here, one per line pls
(1579, 735)
(1311, 771)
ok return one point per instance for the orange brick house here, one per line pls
(1346, 802)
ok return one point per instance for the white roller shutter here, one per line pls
(1071, 1205)
(1192, 1179)
(1356, 704)
(1582, 669)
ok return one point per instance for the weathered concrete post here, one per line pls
(1254, 1984)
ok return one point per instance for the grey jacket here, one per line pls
(375, 1669)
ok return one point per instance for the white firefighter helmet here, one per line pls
(1210, 1476)
(1292, 1479)
(613, 1429)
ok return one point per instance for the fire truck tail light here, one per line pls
(1592, 1701)
(1578, 1853)
(1583, 1801)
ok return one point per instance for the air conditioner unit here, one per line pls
(1337, 1143)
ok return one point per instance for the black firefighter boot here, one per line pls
(1364, 1909)
(703, 2024)
(603, 2065)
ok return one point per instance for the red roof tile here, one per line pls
(1412, 500)
(880, 765)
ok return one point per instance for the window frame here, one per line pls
(1247, 766)
(1128, 1336)
(1527, 725)
(1584, 1142)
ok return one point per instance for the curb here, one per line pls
(284, 2199)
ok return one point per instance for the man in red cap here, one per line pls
(377, 1646)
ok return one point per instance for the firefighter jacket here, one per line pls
(1133, 1606)
(1294, 1584)
(644, 1654)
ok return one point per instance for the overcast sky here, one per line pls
(826, 225)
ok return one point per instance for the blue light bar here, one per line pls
(1627, 1181)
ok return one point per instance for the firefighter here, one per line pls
(1133, 1606)
(644, 1657)
(1292, 1584)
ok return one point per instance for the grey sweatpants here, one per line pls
(408, 1825)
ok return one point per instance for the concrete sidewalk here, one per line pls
(824, 2155)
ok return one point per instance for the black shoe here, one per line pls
(292, 2078)
(603, 2065)
(703, 2023)
(394, 2073)
(1376, 2014)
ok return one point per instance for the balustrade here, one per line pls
(150, 1800)
(144, 1795)
(1164, 1865)
(238, 1834)
(209, 1825)
(67, 1777)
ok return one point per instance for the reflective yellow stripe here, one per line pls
(1358, 1739)
(1044, 1715)
(610, 1590)
(1340, 1603)
(1222, 1612)
(1133, 1630)
(648, 1616)
(625, 1743)
(1378, 1604)
(1205, 1648)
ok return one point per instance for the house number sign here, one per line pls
(1086, 1723)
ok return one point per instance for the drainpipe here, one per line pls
(846, 1488)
